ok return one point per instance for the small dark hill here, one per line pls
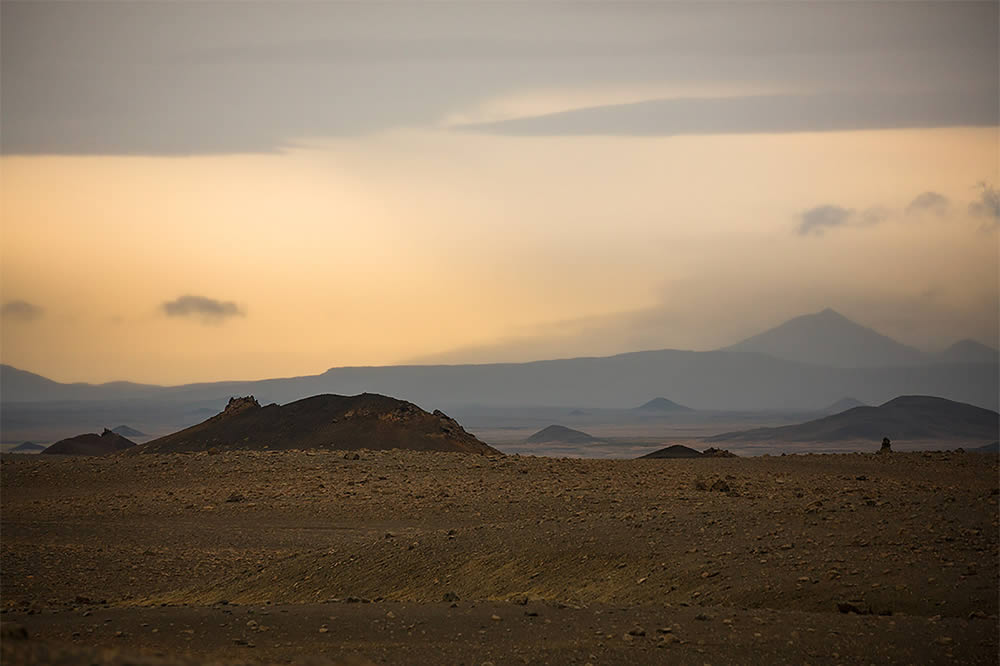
(126, 431)
(680, 451)
(662, 405)
(366, 421)
(911, 417)
(675, 451)
(28, 447)
(558, 433)
(989, 448)
(843, 405)
(91, 444)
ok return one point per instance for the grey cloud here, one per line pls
(930, 202)
(816, 220)
(208, 309)
(196, 78)
(22, 310)
(762, 114)
(988, 206)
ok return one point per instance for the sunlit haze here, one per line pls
(320, 185)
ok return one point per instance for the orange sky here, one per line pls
(431, 244)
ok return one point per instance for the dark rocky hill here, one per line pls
(366, 421)
(558, 433)
(675, 451)
(911, 417)
(91, 444)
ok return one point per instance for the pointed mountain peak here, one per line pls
(829, 338)
(662, 405)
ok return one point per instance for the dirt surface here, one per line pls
(418, 557)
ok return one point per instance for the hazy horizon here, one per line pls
(192, 193)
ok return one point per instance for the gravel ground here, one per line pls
(407, 557)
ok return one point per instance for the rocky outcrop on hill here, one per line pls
(91, 444)
(366, 421)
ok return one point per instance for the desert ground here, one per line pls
(416, 557)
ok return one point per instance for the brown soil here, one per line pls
(406, 557)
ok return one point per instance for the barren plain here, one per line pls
(399, 557)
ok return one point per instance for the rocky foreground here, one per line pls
(419, 557)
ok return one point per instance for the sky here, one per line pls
(206, 191)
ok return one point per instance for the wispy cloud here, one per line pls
(207, 309)
(816, 221)
(988, 206)
(930, 202)
(21, 310)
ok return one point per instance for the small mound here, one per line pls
(338, 422)
(675, 451)
(562, 434)
(662, 405)
(91, 444)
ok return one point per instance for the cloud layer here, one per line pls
(197, 78)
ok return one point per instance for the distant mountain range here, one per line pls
(913, 417)
(804, 364)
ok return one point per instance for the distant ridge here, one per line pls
(90, 444)
(558, 433)
(912, 417)
(366, 421)
(126, 431)
(27, 447)
(662, 405)
(830, 338)
(969, 351)
(843, 405)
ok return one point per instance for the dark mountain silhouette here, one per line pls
(674, 451)
(126, 431)
(558, 433)
(662, 405)
(808, 361)
(91, 444)
(829, 338)
(843, 405)
(702, 380)
(27, 447)
(366, 421)
(989, 448)
(22, 386)
(969, 351)
(911, 417)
